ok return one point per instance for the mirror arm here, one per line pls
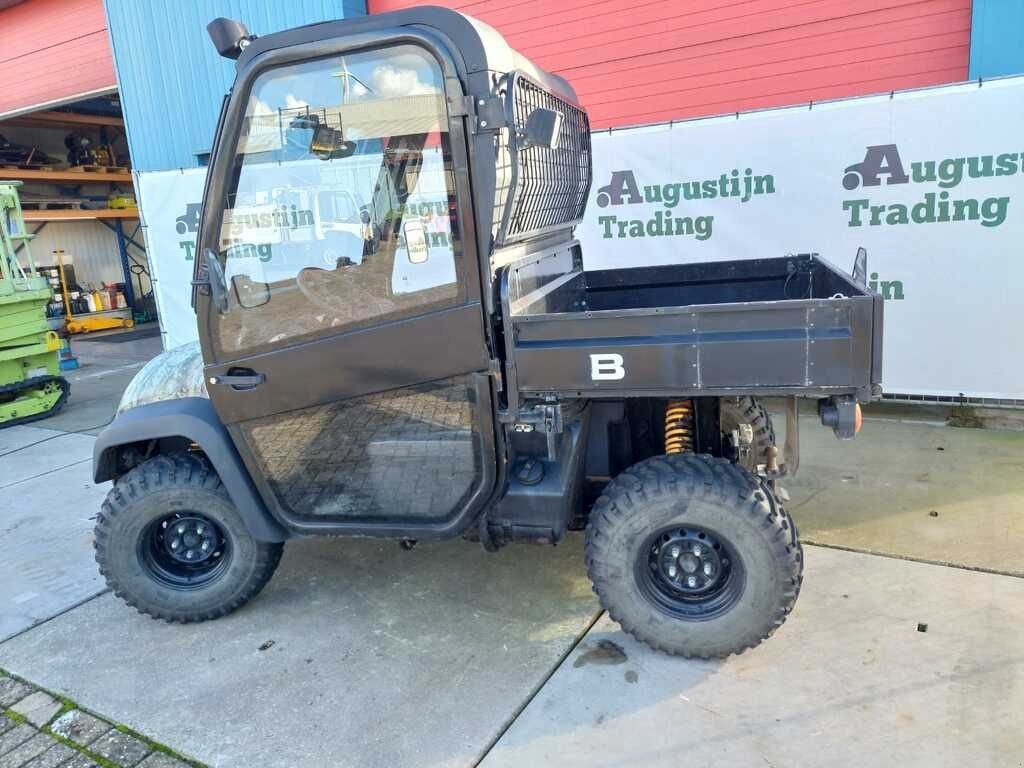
(211, 278)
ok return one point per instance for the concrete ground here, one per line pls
(47, 497)
(107, 362)
(915, 489)
(356, 654)
(848, 681)
(360, 654)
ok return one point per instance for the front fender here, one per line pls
(193, 418)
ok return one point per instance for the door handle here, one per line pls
(239, 379)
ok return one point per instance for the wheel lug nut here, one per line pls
(206, 546)
(691, 582)
(697, 550)
(199, 530)
(181, 529)
(676, 551)
(672, 571)
(176, 543)
(707, 569)
(188, 555)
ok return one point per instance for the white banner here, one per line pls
(931, 182)
(170, 202)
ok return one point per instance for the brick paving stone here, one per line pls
(120, 748)
(160, 760)
(16, 736)
(57, 755)
(38, 708)
(79, 727)
(80, 761)
(23, 745)
(12, 691)
(25, 751)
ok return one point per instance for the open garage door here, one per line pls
(52, 52)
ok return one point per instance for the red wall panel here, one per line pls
(644, 61)
(51, 50)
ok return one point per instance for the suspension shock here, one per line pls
(679, 426)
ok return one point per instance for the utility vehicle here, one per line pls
(465, 376)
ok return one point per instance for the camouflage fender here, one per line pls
(171, 375)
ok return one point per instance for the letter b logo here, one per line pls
(607, 367)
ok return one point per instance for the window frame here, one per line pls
(467, 259)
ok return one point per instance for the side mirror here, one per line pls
(249, 293)
(229, 37)
(543, 129)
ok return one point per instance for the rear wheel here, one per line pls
(750, 419)
(693, 555)
(170, 542)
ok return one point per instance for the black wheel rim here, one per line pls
(184, 550)
(690, 572)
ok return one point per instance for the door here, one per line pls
(348, 357)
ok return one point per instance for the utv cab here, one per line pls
(434, 361)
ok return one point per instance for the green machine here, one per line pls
(31, 386)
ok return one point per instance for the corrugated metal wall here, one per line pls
(997, 38)
(51, 51)
(172, 81)
(642, 61)
(92, 248)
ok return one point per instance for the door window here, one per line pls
(340, 208)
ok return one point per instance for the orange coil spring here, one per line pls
(679, 426)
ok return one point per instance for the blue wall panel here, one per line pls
(997, 38)
(170, 78)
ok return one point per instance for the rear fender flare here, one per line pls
(193, 418)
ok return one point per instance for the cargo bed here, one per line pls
(788, 326)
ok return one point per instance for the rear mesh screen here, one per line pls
(540, 188)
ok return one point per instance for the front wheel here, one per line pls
(693, 556)
(170, 542)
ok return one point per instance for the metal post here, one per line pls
(68, 315)
(122, 247)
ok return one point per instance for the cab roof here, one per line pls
(478, 46)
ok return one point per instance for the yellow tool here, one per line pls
(119, 202)
(85, 324)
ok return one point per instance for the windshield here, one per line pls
(340, 206)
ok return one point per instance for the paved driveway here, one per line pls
(356, 654)
(360, 654)
(47, 498)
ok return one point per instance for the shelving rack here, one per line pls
(112, 218)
